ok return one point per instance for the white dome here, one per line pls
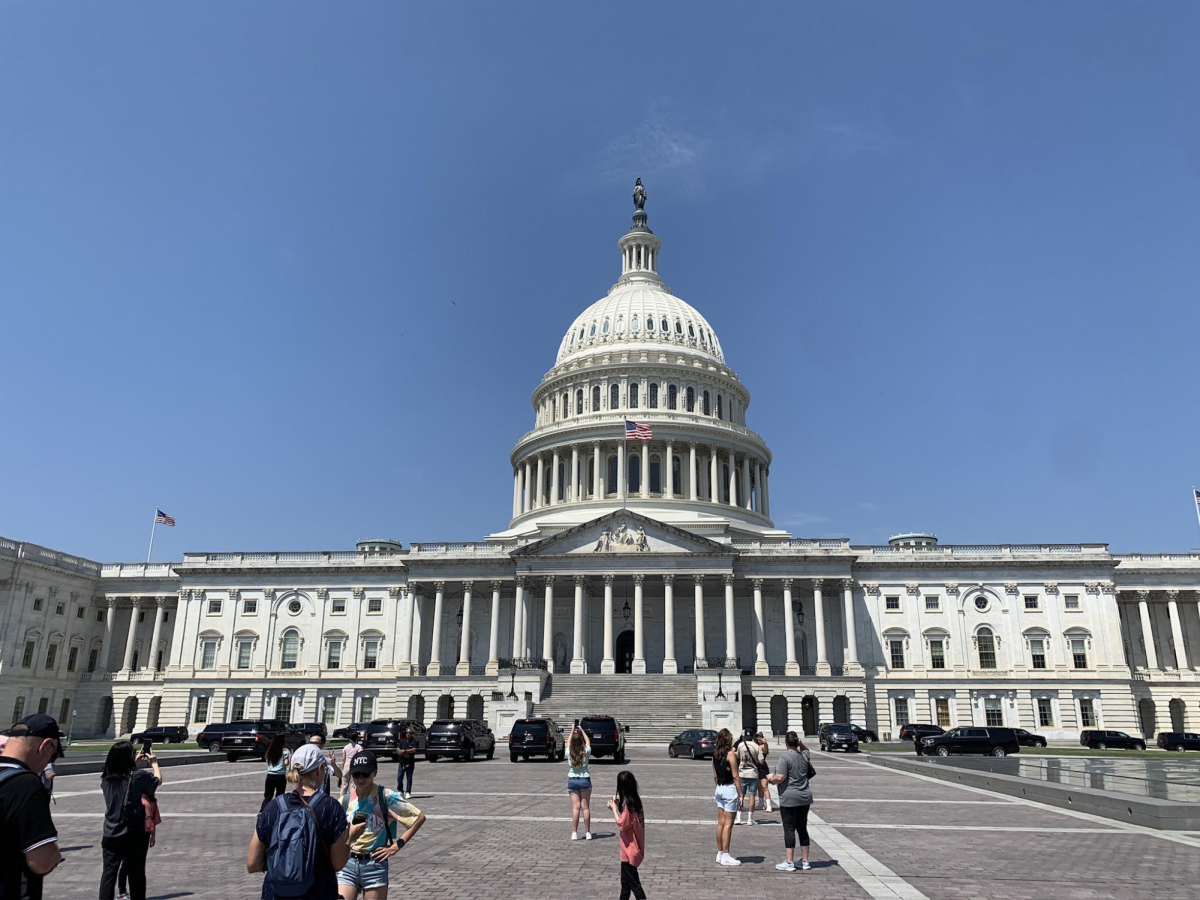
(633, 316)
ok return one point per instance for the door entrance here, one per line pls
(809, 713)
(624, 651)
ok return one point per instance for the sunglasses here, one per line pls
(357, 775)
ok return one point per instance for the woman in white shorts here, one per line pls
(728, 794)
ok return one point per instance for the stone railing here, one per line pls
(717, 662)
(989, 550)
(46, 557)
(468, 548)
(796, 544)
(316, 558)
(138, 570)
(523, 662)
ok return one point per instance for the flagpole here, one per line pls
(153, 525)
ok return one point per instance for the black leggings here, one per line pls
(795, 818)
(127, 852)
(275, 786)
(631, 882)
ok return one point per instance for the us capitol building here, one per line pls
(639, 577)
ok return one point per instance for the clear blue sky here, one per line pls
(291, 271)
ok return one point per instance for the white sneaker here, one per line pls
(407, 795)
(122, 897)
(728, 860)
(804, 864)
(750, 820)
(574, 835)
(720, 856)
(786, 866)
(588, 836)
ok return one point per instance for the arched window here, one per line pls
(592, 333)
(691, 399)
(633, 324)
(581, 334)
(678, 327)
(620, 324)
(987, 648)
(653, 395)
(611, 485)
(633, 396)
(672, 397)
(649, 323)
(291, 649)
(635, 472)
(707, 405)
(676, 470)
(703, 336)
(691, 331)
(655, 475)
(614, 397)
(596, 398)
(579, 402)
(665, 326)
(604, 330)
(719, 414)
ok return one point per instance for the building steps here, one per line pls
(655, 707)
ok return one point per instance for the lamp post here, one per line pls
(71, 727)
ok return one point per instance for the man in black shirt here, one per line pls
(28, 839)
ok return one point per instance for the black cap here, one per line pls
(364, 763)
(37, 725)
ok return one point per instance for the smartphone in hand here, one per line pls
(147, 744)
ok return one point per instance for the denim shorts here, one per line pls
(575, 785)
(364, 874)
(750, 785)
(727, 798)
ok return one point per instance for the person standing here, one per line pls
(331, 768)
(727, 794)
(277, 757)
(375, 807)
(764, 770)
(125, 840)
(795, 797)
(28, 838)
(353, 748)
(626, 806)
(579, 782)
(748, 759)
(269, 850)
(406, 749)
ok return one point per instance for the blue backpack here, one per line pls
(292, 853)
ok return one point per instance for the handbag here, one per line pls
(811, 773)
(152, 818)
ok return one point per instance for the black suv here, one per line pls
(162, 734)
(308, 729)
(252, 737)
(865, 735)
(916, 732)
(460, 738)
(209, 737)
(356, 729)
(1178, 740)
(1110, 740)
(383, 734)
(607, 736)
(539, 736)
(985, 741)
(1028, 739)
(837, 737)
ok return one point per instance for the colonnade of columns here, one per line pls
(1177, 640)
(148, 660)
(552, 477)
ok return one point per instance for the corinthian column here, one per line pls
(645, 478)
(548, 626)
(608, 664)
(541, 482)
(733, 479)
(1147, 631)
(748, 499)
(578, 660)
(493, 663)
(819, 625)
(639, 627)
(760, 639)
(730, 637)
(160, 607)
(574, 479)
(669, 665)
(670, 480)
(1181, 661)
(435, 650)
(464, 638)
(789, 633)
(597, 475)
(554, 479)
(851, 628)
(714, 477)
(518, 642)
(693, 472)
(131, 637)
(698, 581)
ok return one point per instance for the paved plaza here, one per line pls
(499, 829)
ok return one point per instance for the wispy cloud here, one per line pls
(800, 520)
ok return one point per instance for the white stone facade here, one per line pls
(655, 557)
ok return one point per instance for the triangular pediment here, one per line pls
(624, 533)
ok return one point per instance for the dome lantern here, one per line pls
(639, 246)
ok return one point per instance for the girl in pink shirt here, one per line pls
(626, 808)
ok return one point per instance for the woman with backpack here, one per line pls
(792, 773)
(377, 810)
(764, 771)
(728, 792)
(277, 757)
(126, 839)
(301, 840)
(749, 758)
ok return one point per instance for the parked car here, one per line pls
(1110, 740)
(383, 734)
(1026, 739)
(539, 736)
(837, 737)
(984, 741)
(209, 737)
(1178, 740)
(607, 737)
(308, 729)
(462, 739)
(865, 735)
(358, 729)
(252, 737)
(696, 743)
(916, 732)
(162, 734)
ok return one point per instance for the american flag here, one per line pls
(637, 431)
(161, 518)
(1197, 493)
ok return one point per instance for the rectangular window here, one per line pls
(942, 705)
(1079, 653)
(81, 612)
(932, 602)
(891, 603)
(72, 659)
(93, 659)
(51, 655)
(987, 651)
(896, 649)
(99, 615)
(214, 607)
(37, 604)
(283, 709)
(249, 607)
(43, 705)
(366, 709)
(901, 704)
(64, 709)
(374, 604)
(1031, 601)
(1071, 601)
(201, 709)
(329, 710)
(654, 396)
(245, 648)
(1037, 649)
(992, 713)
(1087, 715)
(208, 658)
(18, 710)
(27, 658)
(338, 605)
(1045, 713)
(60, 609)
(333, 658)
(371, 655)
(238, 709)
(937, 654)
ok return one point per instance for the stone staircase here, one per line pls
(655, 707)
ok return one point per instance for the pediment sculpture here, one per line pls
(622, 540)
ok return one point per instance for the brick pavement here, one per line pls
(499, 829)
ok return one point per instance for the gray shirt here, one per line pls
(793, 766)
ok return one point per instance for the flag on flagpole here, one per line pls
(162, 518)
(637, 431)
(1197, 493)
